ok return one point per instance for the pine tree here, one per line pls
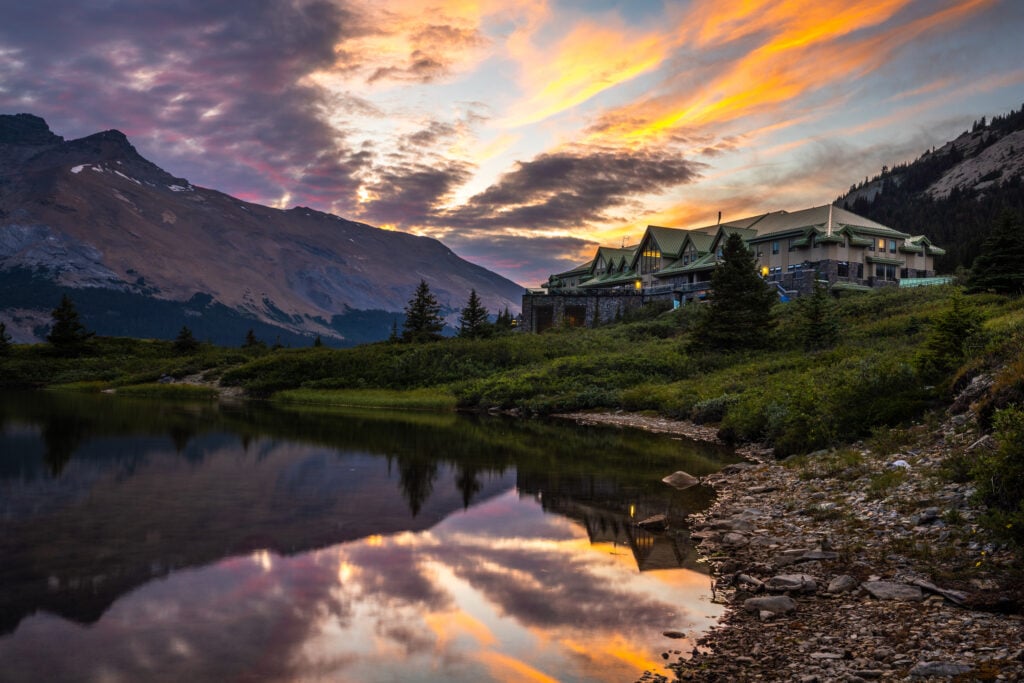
(317, 343)
(252, 342)
(739, 313)
(67, 333)
(503, 321)
(185, 342)
(950, 339)
(473, 323)
(394, 338)
(819, 319)
(5, 340)
(423, 321)
(1000, 265)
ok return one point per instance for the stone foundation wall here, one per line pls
(543, 311)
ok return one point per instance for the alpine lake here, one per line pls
(148, 540)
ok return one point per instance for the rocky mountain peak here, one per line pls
(26, 129)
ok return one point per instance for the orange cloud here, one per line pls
(583, 64)
(804, 47)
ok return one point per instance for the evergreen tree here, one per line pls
(67, 333)
(252, 342)
(185, 342)
(5, 340)
(423, 321)
(950, 339)
(739, 312)
(503, 321)
(473, 323)
(394, 338)
(1000, 265)
(317, 343)
(819, 319)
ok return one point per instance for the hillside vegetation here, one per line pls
(890, 363)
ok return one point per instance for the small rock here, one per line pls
(899, 464)
(777, 604)
(887, 590)
(673, 634)
(843, 583)
(792, 582)
(734, 539)
(946, 669)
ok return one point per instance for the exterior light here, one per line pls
(764, 271)
(638, 285)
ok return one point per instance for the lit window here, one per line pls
(881, 244)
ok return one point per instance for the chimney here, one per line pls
(719, 217)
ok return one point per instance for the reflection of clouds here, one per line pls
(391, 573)
(499, 592)
(234, 621)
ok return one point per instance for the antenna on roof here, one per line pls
(829, 229)
(623, 241)
(719, 218)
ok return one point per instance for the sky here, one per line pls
(521, 133)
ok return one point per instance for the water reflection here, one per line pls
(206, 544)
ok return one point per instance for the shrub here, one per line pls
(1000, 476)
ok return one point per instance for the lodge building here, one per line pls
(793, 250)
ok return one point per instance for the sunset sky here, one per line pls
(520, 133)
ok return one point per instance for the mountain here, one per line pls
(142, 252)
(953, 194)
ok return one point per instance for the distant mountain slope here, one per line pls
(144, 252)
(952, 194)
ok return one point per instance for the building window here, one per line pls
(885, 271)
(881, 244)
(871, 247)
(775, 247)
(843, 269)
(650, 260)
(892, 246)
(860, 271)
(904, 273)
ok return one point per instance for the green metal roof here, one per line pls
(703, 263)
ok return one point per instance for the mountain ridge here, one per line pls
(953, 193)
(94, 213)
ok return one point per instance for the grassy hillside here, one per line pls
(876, 375)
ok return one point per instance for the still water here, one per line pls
(156, 541)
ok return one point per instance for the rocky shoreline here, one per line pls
(861, 564)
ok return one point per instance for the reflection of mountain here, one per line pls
(609, 512)
(146, 488)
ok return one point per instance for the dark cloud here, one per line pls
(572, 188)
(408, 193)
(435, 132)
(212, 91)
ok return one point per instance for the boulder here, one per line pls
(681, 480)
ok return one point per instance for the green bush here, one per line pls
(1000, 476)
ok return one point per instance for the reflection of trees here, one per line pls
(468, 483)
(180, 436)
(416, 476)
(61, 438)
